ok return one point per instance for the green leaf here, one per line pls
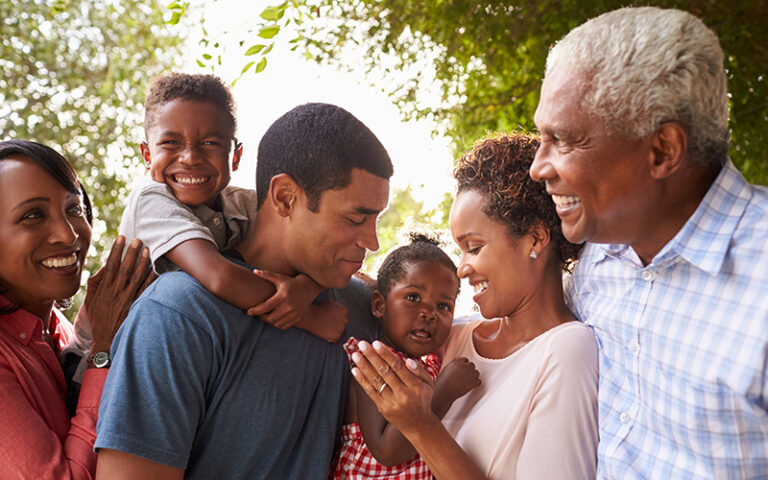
(273, 13)
(268, 49)
(174, 6)
(253, 50)
(262, 65)
(247, 67)
(269, 32)
(175, 17)
(201, 64)
(207, 56)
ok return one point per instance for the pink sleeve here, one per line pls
(29, 448)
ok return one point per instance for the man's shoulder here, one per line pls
(179, 292)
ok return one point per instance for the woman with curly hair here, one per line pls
(535, 414)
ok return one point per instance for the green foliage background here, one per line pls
(73, 75)
(487, 58)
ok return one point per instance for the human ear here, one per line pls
(378, 303)
(237, 155)
(145, 154)
(539, 237)
(669, 144)
(283, 193)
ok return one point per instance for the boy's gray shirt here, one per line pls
(161, 222)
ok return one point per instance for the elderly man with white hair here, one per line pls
(674, 277)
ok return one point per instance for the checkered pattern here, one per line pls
(684, 343)
(355, 462)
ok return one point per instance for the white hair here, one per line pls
(647, 66)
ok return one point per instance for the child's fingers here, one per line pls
(274, 278)
(263, 308)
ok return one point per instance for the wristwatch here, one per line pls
(99, 359)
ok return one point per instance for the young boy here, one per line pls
(189, 214)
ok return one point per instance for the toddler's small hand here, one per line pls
(457, 378)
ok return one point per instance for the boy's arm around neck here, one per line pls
(239, 286)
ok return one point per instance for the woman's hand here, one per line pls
(112, 290)
(406, 399)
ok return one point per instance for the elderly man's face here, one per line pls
(599, 182)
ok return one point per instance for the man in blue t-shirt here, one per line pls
(198, 388)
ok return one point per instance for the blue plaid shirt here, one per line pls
(683, 343)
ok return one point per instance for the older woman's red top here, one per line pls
(37, 437)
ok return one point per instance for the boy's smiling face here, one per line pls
(187, 148)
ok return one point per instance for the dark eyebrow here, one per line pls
(465, 235)
(31, 200)
(366, 211)
(41, 199)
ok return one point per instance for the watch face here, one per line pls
(101, 359)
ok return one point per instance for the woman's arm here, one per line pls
(406, 403)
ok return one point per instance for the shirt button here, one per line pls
(633, 346)
(22, 335)
(647, 275)
(216, 221)
(624, 417)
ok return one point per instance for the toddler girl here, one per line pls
(414, 299)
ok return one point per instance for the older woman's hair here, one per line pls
(498, 168)
(52, 162)
(647, 66)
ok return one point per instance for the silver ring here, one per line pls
(382, 387)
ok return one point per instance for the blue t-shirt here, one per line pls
(196, 383)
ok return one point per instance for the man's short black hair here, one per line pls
(318, 145)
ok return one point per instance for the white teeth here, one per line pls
(60, 262)
(478, 287)
(191, 180)
(565, 201)
(422, 334)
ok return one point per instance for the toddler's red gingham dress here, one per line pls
(355, 462)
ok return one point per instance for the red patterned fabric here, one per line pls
(355, 462)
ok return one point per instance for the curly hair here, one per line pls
(498, 168)
(199, 87)
(422, 248)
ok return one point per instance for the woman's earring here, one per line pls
(533, 254)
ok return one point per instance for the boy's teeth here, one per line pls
(422, 333)
(191, 180)
(565, 201)
(60, 262)
(480, 286)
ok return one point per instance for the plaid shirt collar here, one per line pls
(712, 224)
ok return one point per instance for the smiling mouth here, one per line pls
(480, 287)
(190, 180)
(565, 201)
(60, 262)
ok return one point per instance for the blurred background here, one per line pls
(428, 77)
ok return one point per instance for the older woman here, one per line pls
(535, 415)
(45, 232)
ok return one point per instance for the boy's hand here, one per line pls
(455, 380)
(290, 302)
